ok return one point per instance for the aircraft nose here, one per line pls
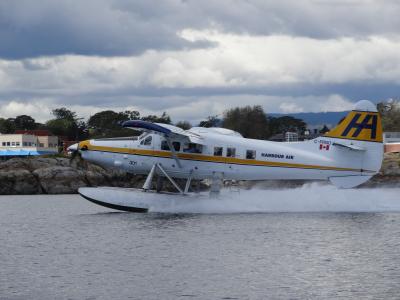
(84, 145)
(73, 147)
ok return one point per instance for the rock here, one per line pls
(18, 182)
(47, 162)
(60, 180)
(15, 164)
(391, 164)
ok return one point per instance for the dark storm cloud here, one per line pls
(104, 28)
(121, 27)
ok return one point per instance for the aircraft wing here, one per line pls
(169, 131)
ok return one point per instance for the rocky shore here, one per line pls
(57, 175)
(60, 175)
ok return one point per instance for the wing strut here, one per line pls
(178, 162)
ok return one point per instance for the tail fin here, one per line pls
(361, 132)
(361, 124)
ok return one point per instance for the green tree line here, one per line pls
(250, 121)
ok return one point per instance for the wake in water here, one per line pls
(308, 198)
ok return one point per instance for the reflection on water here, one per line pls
(63, 247)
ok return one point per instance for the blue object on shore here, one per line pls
(22, 152)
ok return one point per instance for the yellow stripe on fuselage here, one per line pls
(207, 158)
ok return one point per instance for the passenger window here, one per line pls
(218, 151)
(230, 152)
(251, 154)
(176, 145)
(146, 141)
(192, 148)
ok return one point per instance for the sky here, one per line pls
(194, 59)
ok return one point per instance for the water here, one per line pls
(63, 247)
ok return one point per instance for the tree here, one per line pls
(390, 112)
(251, 122)
(185, 125)
(64, 113)
(155, 119)
(24, 122)
(7, 126)
(106, 119)
(108, 123)
(285, 124)
(211, 121)
(66, 123)
(131, 114)
(324, 129)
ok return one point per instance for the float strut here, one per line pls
(149, 178)
(216, 182)
(188, 181)
(169, 178)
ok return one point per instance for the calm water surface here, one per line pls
(63, 247)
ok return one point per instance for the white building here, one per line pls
(27, 145)
(291, 136)
(391, 141)
(391, 137)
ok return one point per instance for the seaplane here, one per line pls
(347, 156)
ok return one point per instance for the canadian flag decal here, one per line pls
(323, 147)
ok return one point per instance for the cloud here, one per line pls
(240, 64)
(37, 108)
(123, 28)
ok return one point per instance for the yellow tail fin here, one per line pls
(362, 124)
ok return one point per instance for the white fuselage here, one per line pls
(239, 158)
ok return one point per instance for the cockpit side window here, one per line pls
(146, 141)
(165, 146)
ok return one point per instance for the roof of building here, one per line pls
(37, 132)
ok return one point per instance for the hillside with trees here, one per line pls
(250, 121)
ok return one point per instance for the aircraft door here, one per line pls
(146, 157)
(231, 166)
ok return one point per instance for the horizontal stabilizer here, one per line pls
(349, 147)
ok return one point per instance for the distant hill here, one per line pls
(317, 119)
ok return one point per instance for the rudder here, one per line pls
(361, 124)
